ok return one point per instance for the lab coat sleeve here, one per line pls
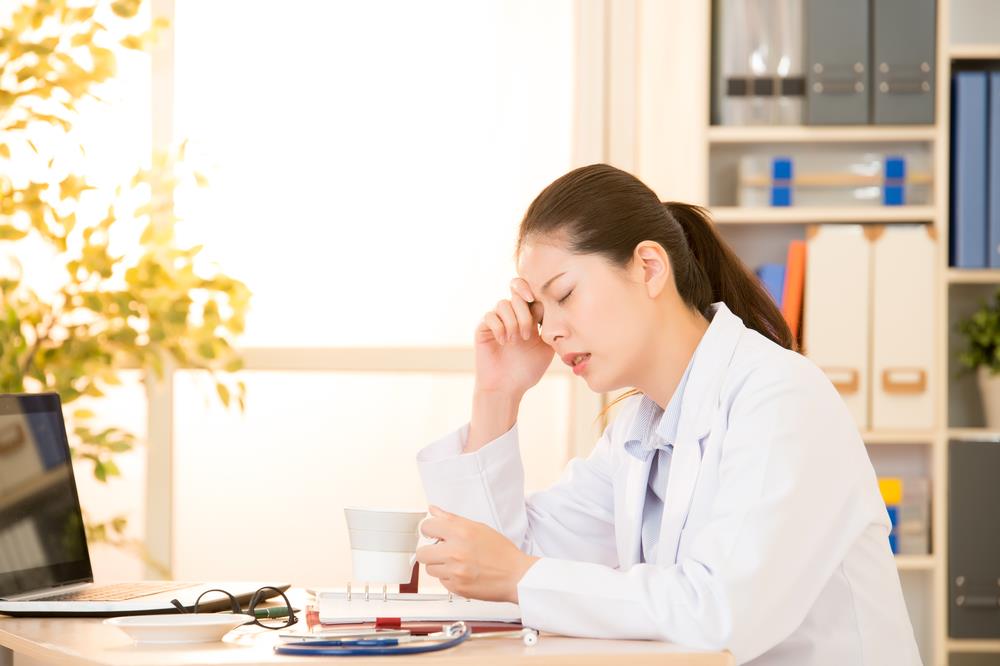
(572, 519)
(791, 501)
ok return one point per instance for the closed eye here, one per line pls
(563, 299)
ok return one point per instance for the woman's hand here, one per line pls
(510, 355)
(471, 559)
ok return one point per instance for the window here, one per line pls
(369, 163)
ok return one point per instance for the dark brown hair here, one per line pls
(606, 211)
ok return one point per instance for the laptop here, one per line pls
(45, 567)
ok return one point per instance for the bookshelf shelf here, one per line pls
(898, 437)
(974, 51)
(915, 562)
(805, 215)
(967, 276)
(973, 645)
(974, 434)
(722, 134)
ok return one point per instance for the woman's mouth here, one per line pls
(579, 363)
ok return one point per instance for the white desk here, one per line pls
(87, 641)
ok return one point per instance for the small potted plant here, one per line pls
(982, 354)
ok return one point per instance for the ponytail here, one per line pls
(717, 274)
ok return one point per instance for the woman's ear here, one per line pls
(652, 260)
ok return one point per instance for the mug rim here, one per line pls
(393, 511)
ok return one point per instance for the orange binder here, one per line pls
(795, 278)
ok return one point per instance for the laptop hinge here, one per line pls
(49, 591)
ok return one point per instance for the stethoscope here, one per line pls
(450, 636)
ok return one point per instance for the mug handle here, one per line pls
(423, 540)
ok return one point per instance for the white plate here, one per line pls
(178, 627)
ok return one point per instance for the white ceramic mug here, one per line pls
(383, 543)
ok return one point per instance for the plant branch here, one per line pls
(39, 339)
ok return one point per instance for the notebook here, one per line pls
(336, 608)
(45, 566)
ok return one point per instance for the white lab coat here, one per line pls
(774, 538)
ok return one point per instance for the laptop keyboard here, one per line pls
(118, 591)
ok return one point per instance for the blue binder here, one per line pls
(993, 206)
(968, 171)
(772, 276)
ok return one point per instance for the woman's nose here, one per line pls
(550, 333)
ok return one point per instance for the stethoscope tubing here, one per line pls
(371, 646)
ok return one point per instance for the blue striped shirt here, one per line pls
(653, 432)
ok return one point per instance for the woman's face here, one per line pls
(590, 306)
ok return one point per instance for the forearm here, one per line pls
(493, 414)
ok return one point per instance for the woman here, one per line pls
(730, 505)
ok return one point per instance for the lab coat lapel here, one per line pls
(630, 548)
(698, 407)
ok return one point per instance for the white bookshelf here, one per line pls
(721, 134)
(924, 576)
(804, 215)
(974, 51)
(974, 434)
(916, 562)
(975, 276)
(881, 437)
(676, 151)
(973, 645)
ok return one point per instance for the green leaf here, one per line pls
(111, 469)
(83, 414)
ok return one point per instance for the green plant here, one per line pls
(130, 296)
(982, 335)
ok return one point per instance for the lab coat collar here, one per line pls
(699, 403)
(712, 358)
(657, 428)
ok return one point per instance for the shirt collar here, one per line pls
(654, 428)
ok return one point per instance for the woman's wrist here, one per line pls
(493, 414)
(526, 563)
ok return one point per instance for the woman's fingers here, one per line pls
(439, 571)
(438, 512)
(506, 313)
(536, 313)
(496, 326)
(520, 287)
(525, 323)
(518, 316)
(435, 554)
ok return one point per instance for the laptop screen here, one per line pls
(42, 539)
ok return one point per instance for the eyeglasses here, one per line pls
(269, 617)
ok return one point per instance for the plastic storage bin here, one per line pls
(834, 178)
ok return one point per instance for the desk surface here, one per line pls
(88, 641)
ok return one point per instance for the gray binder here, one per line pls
(903, 61)
(836, 62)
(974, 539)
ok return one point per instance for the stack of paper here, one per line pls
(336, 608)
